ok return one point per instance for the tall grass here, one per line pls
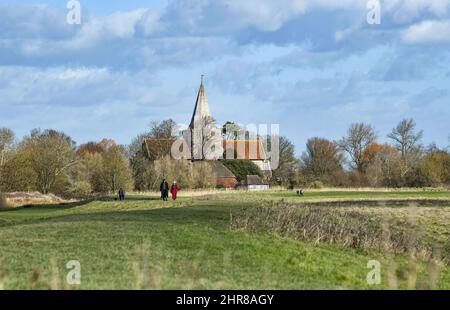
(334, 225)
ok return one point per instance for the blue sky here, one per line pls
(313, 66)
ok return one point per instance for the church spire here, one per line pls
(201, 109)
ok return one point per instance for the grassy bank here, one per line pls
(143, 243)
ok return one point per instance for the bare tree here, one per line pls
(157, 141)
(6, 141)
(163, 129)
(359, 137)
(405, 137)
(321, 159)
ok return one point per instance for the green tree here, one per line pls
(6, 142)
(435, 167)
(140, 164)
(241, 168)
(51, 154)
(108, 169)
(288, 165)
(140, 161)
(231, 130)
(17, 174)
(115, 168)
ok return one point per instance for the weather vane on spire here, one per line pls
(202, 78)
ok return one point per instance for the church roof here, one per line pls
(245, 149)
(158, 148)
(219, 169)
(201, 109)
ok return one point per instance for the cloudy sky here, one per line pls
(313, 66)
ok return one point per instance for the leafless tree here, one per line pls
(405, 137)
(321, 159)
(359, 137)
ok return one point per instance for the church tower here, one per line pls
(201, 109)
(201, 125)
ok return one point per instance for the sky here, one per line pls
(312, 66)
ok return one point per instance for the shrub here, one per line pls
(3, 203)
(81, 188)
(326, 224)
(317, 185)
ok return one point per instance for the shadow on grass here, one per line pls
(58, 206)
(141, 198)
(213, 216)
(69, 205)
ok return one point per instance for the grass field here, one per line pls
(144, 243)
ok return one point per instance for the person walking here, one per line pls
(164, 188)
(174, 190)
(121, 194)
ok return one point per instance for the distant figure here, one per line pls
(121, 194)
(164, 188)
(300, 192)
(174, 190)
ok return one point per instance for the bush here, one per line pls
(333, 225)
(3, 203)
(81, 188)
(317, 185)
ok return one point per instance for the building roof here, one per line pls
(245, 149)
(201, 109)
(158, 148)
(218, 168)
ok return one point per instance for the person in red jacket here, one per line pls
(174, 190)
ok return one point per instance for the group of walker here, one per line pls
(164, 188)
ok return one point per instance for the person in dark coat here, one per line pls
(121, 194)
(164, 188)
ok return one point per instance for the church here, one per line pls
(203, 141)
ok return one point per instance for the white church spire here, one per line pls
(201, 110)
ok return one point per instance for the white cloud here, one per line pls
(432, 31)
(405, 11)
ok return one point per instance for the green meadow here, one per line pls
(145, 243)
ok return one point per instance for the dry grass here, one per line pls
(19, 199)
(349, 227)
(374, 189)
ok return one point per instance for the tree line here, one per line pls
(357, 159)
(49, 161)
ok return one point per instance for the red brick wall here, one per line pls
(227, 182)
